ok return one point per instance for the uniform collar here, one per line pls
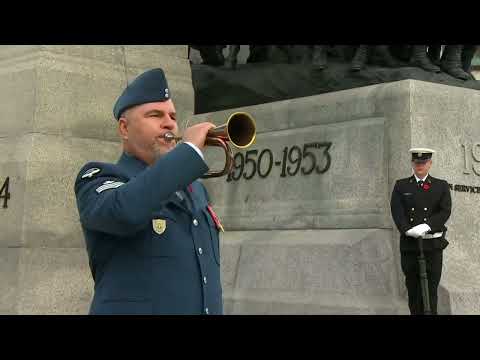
(131, 164)
(418, 179)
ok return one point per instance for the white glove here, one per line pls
(410, 233)
(423, 229)
(419, 230)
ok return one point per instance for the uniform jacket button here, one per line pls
(195, 222)
(200, 251)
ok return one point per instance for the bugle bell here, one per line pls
(240, 130)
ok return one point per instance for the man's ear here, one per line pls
(123, 128)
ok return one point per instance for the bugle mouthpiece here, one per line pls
(169, 136)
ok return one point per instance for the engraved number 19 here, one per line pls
(475, 156)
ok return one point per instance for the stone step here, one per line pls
(294, 303)
(311, 271)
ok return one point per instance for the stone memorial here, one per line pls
(306, 208)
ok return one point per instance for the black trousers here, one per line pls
(411, 270)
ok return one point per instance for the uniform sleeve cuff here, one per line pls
(199, 152)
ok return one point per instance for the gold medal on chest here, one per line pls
(159, 226)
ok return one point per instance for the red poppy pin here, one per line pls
(426, 186)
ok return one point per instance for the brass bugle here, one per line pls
(240, 130)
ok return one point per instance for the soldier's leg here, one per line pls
(291, 54)
(385, 57)
(434, 52)
(297, 54)
(420, 59)
(401, 52)
(467, 56)
(258, 53)
(452, 62)
(272, 49)
(211, 54)
(269, 53)
(231, 60)
(434, 260)
(360, 58)
(410, 268)
(219, 53)
(319, 57)
(305, 54)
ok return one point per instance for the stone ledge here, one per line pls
(288, 303)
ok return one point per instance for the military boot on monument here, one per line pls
(434, 53)
(385, 58)
(420, 59)
(319, 58)
(258, 53)
(452, 62)
(297, 54)
(467, 56)
(231, 60)
(212, 55)
(360, 58)
(304, 54)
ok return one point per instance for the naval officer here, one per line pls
(421, 205)
(151, 234)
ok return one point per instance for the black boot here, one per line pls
(467, 56)
(258, 53)
(279, 54)
(212, 55)
(452, 62)
(304, 54)
(434, 52)
(231, 60)
(385, 57)
(298, 54)
(420, 59)
(319, 58)
(360, 58)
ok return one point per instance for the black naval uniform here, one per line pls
(412, 204)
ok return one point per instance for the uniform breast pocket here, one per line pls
(166, 234)
(214, 236)
(407, 199)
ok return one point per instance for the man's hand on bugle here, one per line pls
(197, 134)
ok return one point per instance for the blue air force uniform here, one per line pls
(153, 245)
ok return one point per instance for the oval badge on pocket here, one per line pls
(159, 225)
